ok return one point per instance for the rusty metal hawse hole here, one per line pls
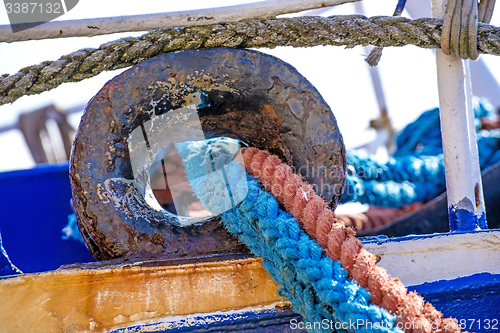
(190, 96)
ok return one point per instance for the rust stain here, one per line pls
(268, 112)
(476, 195)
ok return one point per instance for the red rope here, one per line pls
(340, 243)
(376, 217)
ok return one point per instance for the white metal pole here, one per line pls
(455, 130)
(476, 171)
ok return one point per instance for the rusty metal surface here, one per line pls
(249, 96)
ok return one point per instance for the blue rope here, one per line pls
(318, 288)
(398, 182)
(415, 173)
(423, 136)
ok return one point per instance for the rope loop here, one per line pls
(460, 25)
(485, 10)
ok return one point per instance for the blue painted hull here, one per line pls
(473, 300)
(35, 205)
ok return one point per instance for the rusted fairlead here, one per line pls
(186, 96)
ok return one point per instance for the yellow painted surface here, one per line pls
(98, 300)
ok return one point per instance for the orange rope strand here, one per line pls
(340, 244)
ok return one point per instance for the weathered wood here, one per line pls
(84, 299)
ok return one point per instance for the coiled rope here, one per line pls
(318, 287)
(349, 31)
(415, 172)
(400, 181)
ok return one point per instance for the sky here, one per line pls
(340, 75)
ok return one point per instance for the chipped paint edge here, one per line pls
(421, 259)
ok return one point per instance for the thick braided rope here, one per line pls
(376, 53)
(349, 31)
(318, 288)
(340, 243)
